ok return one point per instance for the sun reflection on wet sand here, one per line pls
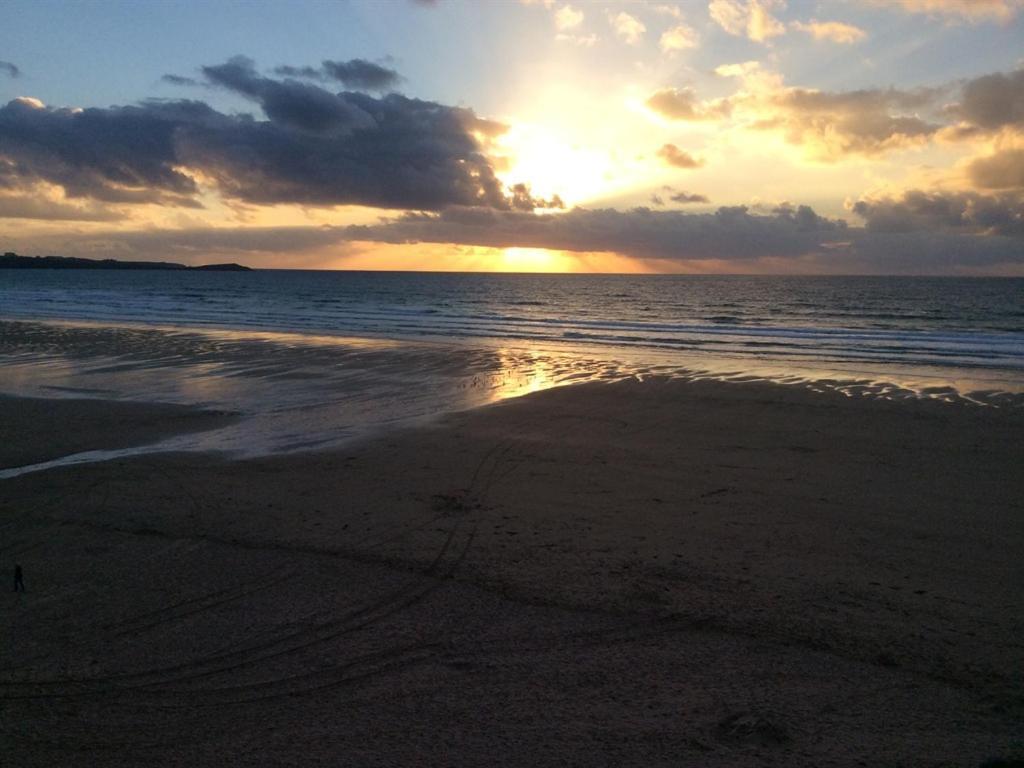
(300, 392)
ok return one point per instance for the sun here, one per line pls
(552, 165)
(533, 260)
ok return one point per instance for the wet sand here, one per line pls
(36, 430)
(656, 573)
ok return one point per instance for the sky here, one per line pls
(705, 136)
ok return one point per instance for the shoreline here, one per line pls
(652, 361)
(297, 393)
(43, 430)
(662, 572)
(938, 357)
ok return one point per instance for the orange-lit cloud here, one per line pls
(678, 38)
(627, 27)
(828, 125)
(683, 104)
(677, 158)
(833, 31)
(1003, 170)
(752, 18)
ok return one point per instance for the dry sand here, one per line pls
(657, 573)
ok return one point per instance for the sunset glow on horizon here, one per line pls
(734, 136)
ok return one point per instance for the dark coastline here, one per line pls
(14, 261)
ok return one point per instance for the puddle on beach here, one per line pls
(298, 392)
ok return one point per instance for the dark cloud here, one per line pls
(10, 69)
(362, 75)
(315, 148)
(934, 212)
(306, 73)
(674, 156)
(118, 155)
(792, 237)
(993, 101)
(686, 197)
(290, 103)
(795, 237)
(357, 74)
(729, 233)
(522, 199)
(676, 196)
(179, 80)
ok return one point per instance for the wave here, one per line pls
(958, 324)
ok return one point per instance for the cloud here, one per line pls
(674, 156)
(1002, 170)
(838, 123)
(356, 74)
(992, 102)
(683, 104)
(179, 80)
(289, 103)
(729, 239)
(668, 10)
(679, 38)
(567, 18)
(36, 207)
(314, 148)
(686, 197)
(9, 69)
(833, 31)
(119, 155)
(829, 124)
(522, 199)
(871, 121)
(728, 233)
(677, 196)
(628, 28)
(967, 212)
(750, 18)
(973, 11)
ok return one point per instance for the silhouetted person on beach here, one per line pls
(19, 580)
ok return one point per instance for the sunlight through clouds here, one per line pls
(609, 107)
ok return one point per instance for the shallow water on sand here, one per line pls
(306, 392)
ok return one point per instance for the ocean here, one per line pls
(316, 358)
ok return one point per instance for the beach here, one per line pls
(656, 572)
(511, 384)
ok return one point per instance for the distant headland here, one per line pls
(13, 261)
